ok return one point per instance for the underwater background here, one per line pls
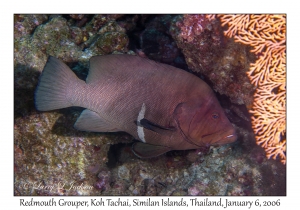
(48, 151)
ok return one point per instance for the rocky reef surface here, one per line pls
(48, 151)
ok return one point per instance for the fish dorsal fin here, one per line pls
(98, 68)
(91, 121)
(143, 150)
(104, 66)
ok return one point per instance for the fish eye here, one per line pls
(215, 116)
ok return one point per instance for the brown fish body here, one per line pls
(164, 107)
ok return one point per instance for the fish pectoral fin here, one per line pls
(91, 121)
(154, 127)
(143, 150)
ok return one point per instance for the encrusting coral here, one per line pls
(207, 52)
(266, 34)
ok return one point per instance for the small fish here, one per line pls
(163, 107)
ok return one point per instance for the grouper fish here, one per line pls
(163, 107)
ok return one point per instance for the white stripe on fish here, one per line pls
(140, 129)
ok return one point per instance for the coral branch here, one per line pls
(266, 34)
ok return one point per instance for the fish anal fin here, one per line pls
(91, 121)
(143, 150)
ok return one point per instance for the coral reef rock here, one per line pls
(207, 51)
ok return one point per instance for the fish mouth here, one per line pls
(224, 136)
(227, 137)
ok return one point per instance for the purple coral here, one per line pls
(192, 25)
(103, 180)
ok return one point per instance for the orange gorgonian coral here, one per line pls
(267, 35)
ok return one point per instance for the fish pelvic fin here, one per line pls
(143, 150)
(55, 84)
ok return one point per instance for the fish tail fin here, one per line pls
(54, 86)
